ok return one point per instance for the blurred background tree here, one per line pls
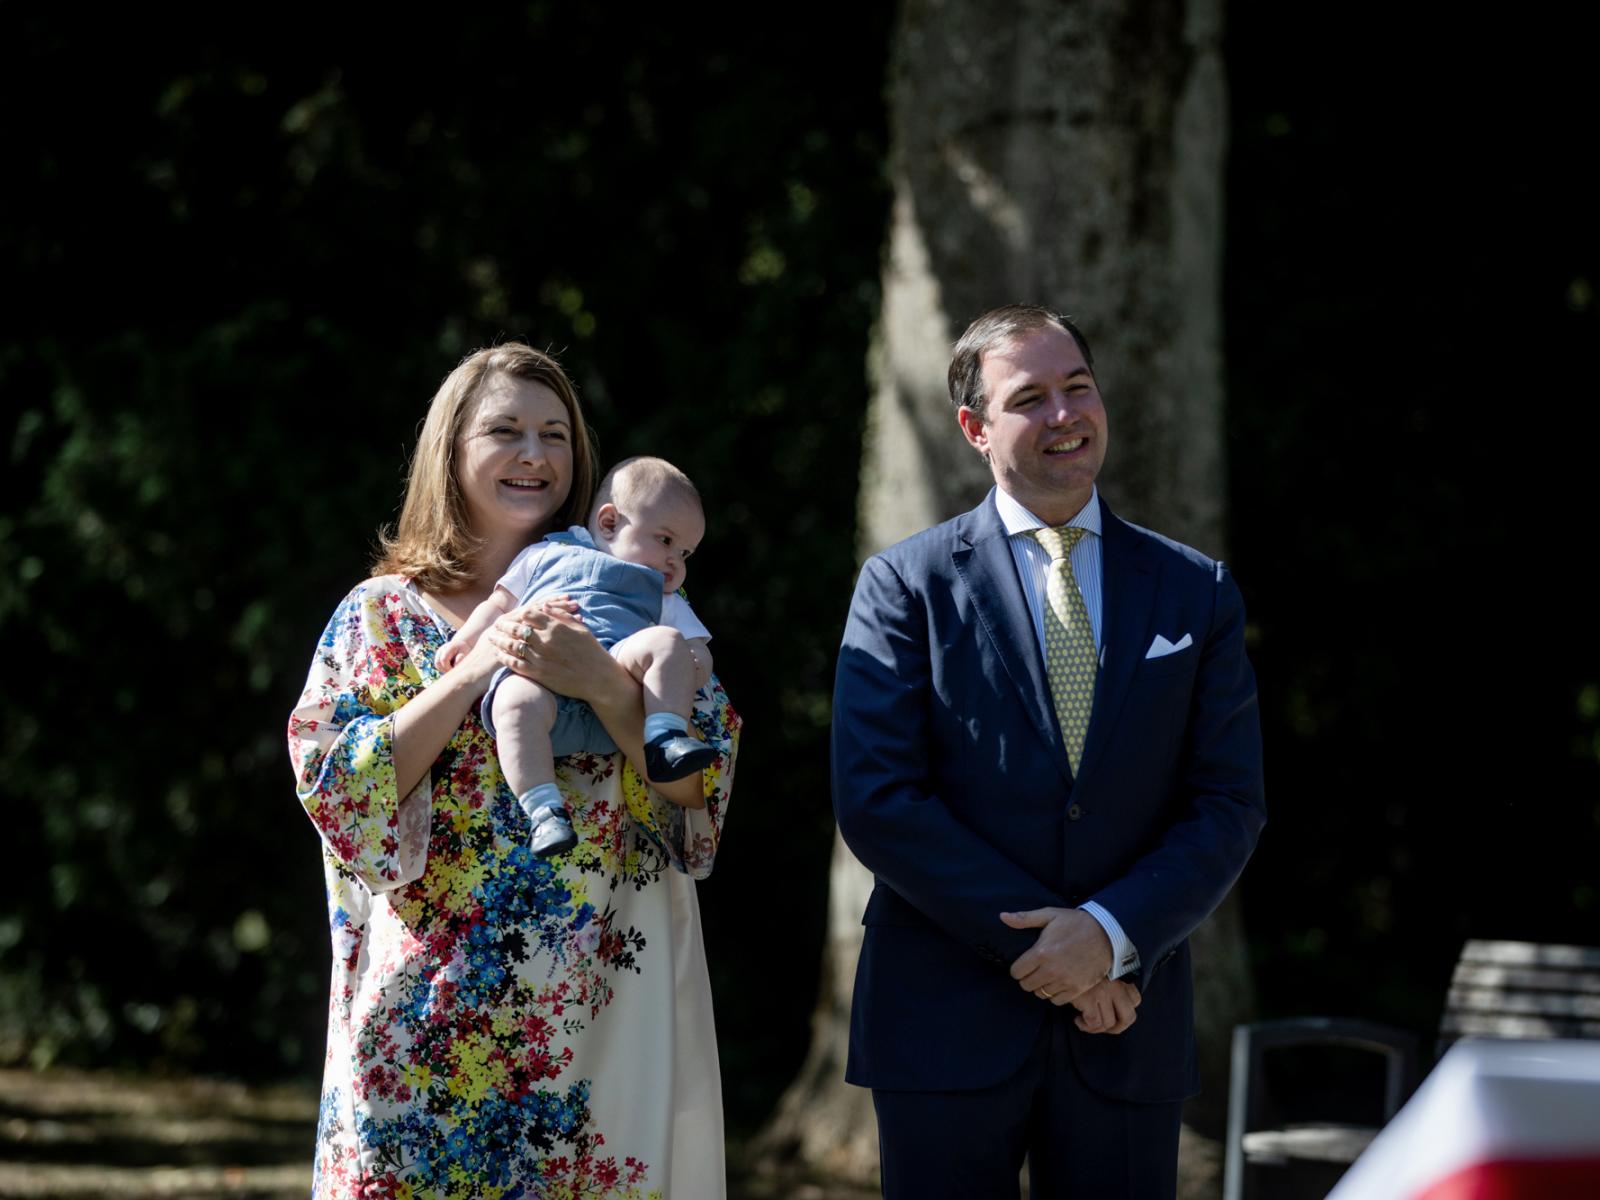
(240, 257)
(1409, 298)
(990, 201)
(245, 258)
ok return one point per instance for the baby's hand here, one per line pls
(449, 654)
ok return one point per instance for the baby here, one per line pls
(621, 573)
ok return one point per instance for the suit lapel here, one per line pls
(1128, 575)
(983, 561)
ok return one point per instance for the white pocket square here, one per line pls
(1160, 648)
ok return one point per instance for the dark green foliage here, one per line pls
(240, 261)
(1413, 254)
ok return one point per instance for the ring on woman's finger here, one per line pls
(525, 649)
(525, 632)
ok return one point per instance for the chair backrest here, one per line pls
(1523, 990)
(1518, 990)
(1324, 1144)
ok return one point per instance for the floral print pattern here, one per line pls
(501, 1025)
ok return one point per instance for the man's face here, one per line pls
(1044, 426)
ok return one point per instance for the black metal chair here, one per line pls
(1305, 1157)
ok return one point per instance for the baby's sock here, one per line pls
(659, 723)
(669, 752)
(552, 830)
(536, 798)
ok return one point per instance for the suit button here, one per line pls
(1073, 812)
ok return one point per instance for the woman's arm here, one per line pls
(564, 656)
(423, 727)
(370, 807)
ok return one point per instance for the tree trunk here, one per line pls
(1068, 154)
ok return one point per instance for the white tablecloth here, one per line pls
(1494, 1121)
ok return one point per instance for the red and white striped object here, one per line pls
(1496, 1120)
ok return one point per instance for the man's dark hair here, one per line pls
(999, 325)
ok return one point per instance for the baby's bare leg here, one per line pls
(661, 661)
(664, 664)
(524, 714)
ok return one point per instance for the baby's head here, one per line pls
(648, 512)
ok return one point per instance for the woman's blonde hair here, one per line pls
(434, 544)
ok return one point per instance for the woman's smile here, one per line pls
(514, 458)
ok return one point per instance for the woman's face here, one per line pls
(514, 458)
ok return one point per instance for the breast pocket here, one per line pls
(1180, 662)
(1159, 700)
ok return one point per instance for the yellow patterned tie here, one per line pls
(1069, 655)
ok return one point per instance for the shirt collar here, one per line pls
(575, 535)
(1018, 519)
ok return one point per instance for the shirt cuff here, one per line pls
(1124, 956)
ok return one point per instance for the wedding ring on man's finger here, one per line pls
(1043, 995)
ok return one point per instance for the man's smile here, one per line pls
(1066, 447)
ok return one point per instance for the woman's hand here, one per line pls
(547, 641)
(477, 665)
(550, 644)
(563, 607)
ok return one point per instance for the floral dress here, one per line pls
(502, 1025)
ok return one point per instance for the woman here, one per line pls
(502, 1025)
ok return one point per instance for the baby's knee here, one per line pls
(519, 701)
(655, 644)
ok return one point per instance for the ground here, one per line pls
(74, 1135)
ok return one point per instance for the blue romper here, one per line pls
(616, 598)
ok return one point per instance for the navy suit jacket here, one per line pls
(951, 784)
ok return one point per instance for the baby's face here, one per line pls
(661, 532)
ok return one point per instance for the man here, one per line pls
(1047, 750)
